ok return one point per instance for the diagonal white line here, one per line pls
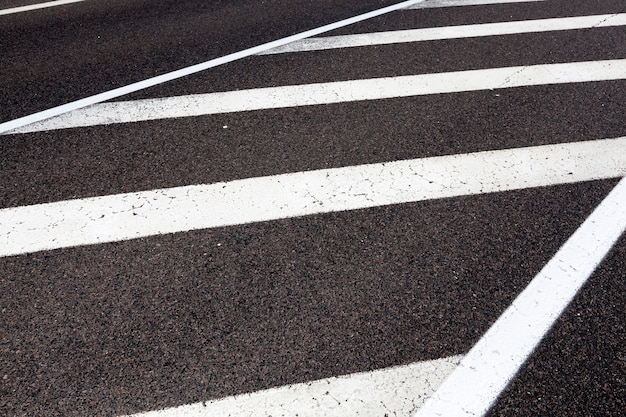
(147, 213)
(118, 92)
(334, 92)
(492, 363)
(37, 6)
(451, 32)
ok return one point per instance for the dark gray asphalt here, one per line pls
(162, 321)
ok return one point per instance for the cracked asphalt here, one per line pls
(160, 321)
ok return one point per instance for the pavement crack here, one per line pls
(600, 23)
(508, 79)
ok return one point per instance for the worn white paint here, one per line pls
(37, 6)
(394, 391)
(133, 215)
(452, 3)
(486, 370)
(451, 32)
(333, 92)
(150, 82)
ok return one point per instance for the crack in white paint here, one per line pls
(398, 390)
(132, 215)
(610, 20)
(150, 82)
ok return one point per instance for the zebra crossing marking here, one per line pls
(333, 92)
(451, 32)
(577, 258)
(147, 213)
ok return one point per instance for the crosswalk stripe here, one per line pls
(451, 3)
(484, 372)
(451, 32)
(368, 394)
(132, 215)
(333, 92)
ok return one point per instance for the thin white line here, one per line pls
(451, 32)
(36, 6)
(397, 390)
(452, 3)
(133, 215)
(111, 94)
(333, 92)
(493, 362)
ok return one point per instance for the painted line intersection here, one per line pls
(577, 161)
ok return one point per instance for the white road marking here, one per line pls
(394, 391)
(118, 92)
(451, 3)
(451, 32)
(36, 6)
(333, 92)
(133, 215)
(493, 362)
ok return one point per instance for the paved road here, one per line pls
(208, 312)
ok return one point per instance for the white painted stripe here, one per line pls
(37, 6)
(452, 3)
(333, 92)
(492, 363)
(118, 92)
(133, 215)
(451, 32)
(395, 391)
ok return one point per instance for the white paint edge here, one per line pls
(333, 92)
(454, 3)
(30, 7)
(150, 82)
(394, 391)
(451, 32)
(133, 215)
(493, 362)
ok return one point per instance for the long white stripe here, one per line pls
(36, 6)
(133, 215)
(396, 391)
(334, 92)
(118, 92)
(450, 3)
(451, 32)
(486, 370)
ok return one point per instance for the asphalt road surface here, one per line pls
(326, 227)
